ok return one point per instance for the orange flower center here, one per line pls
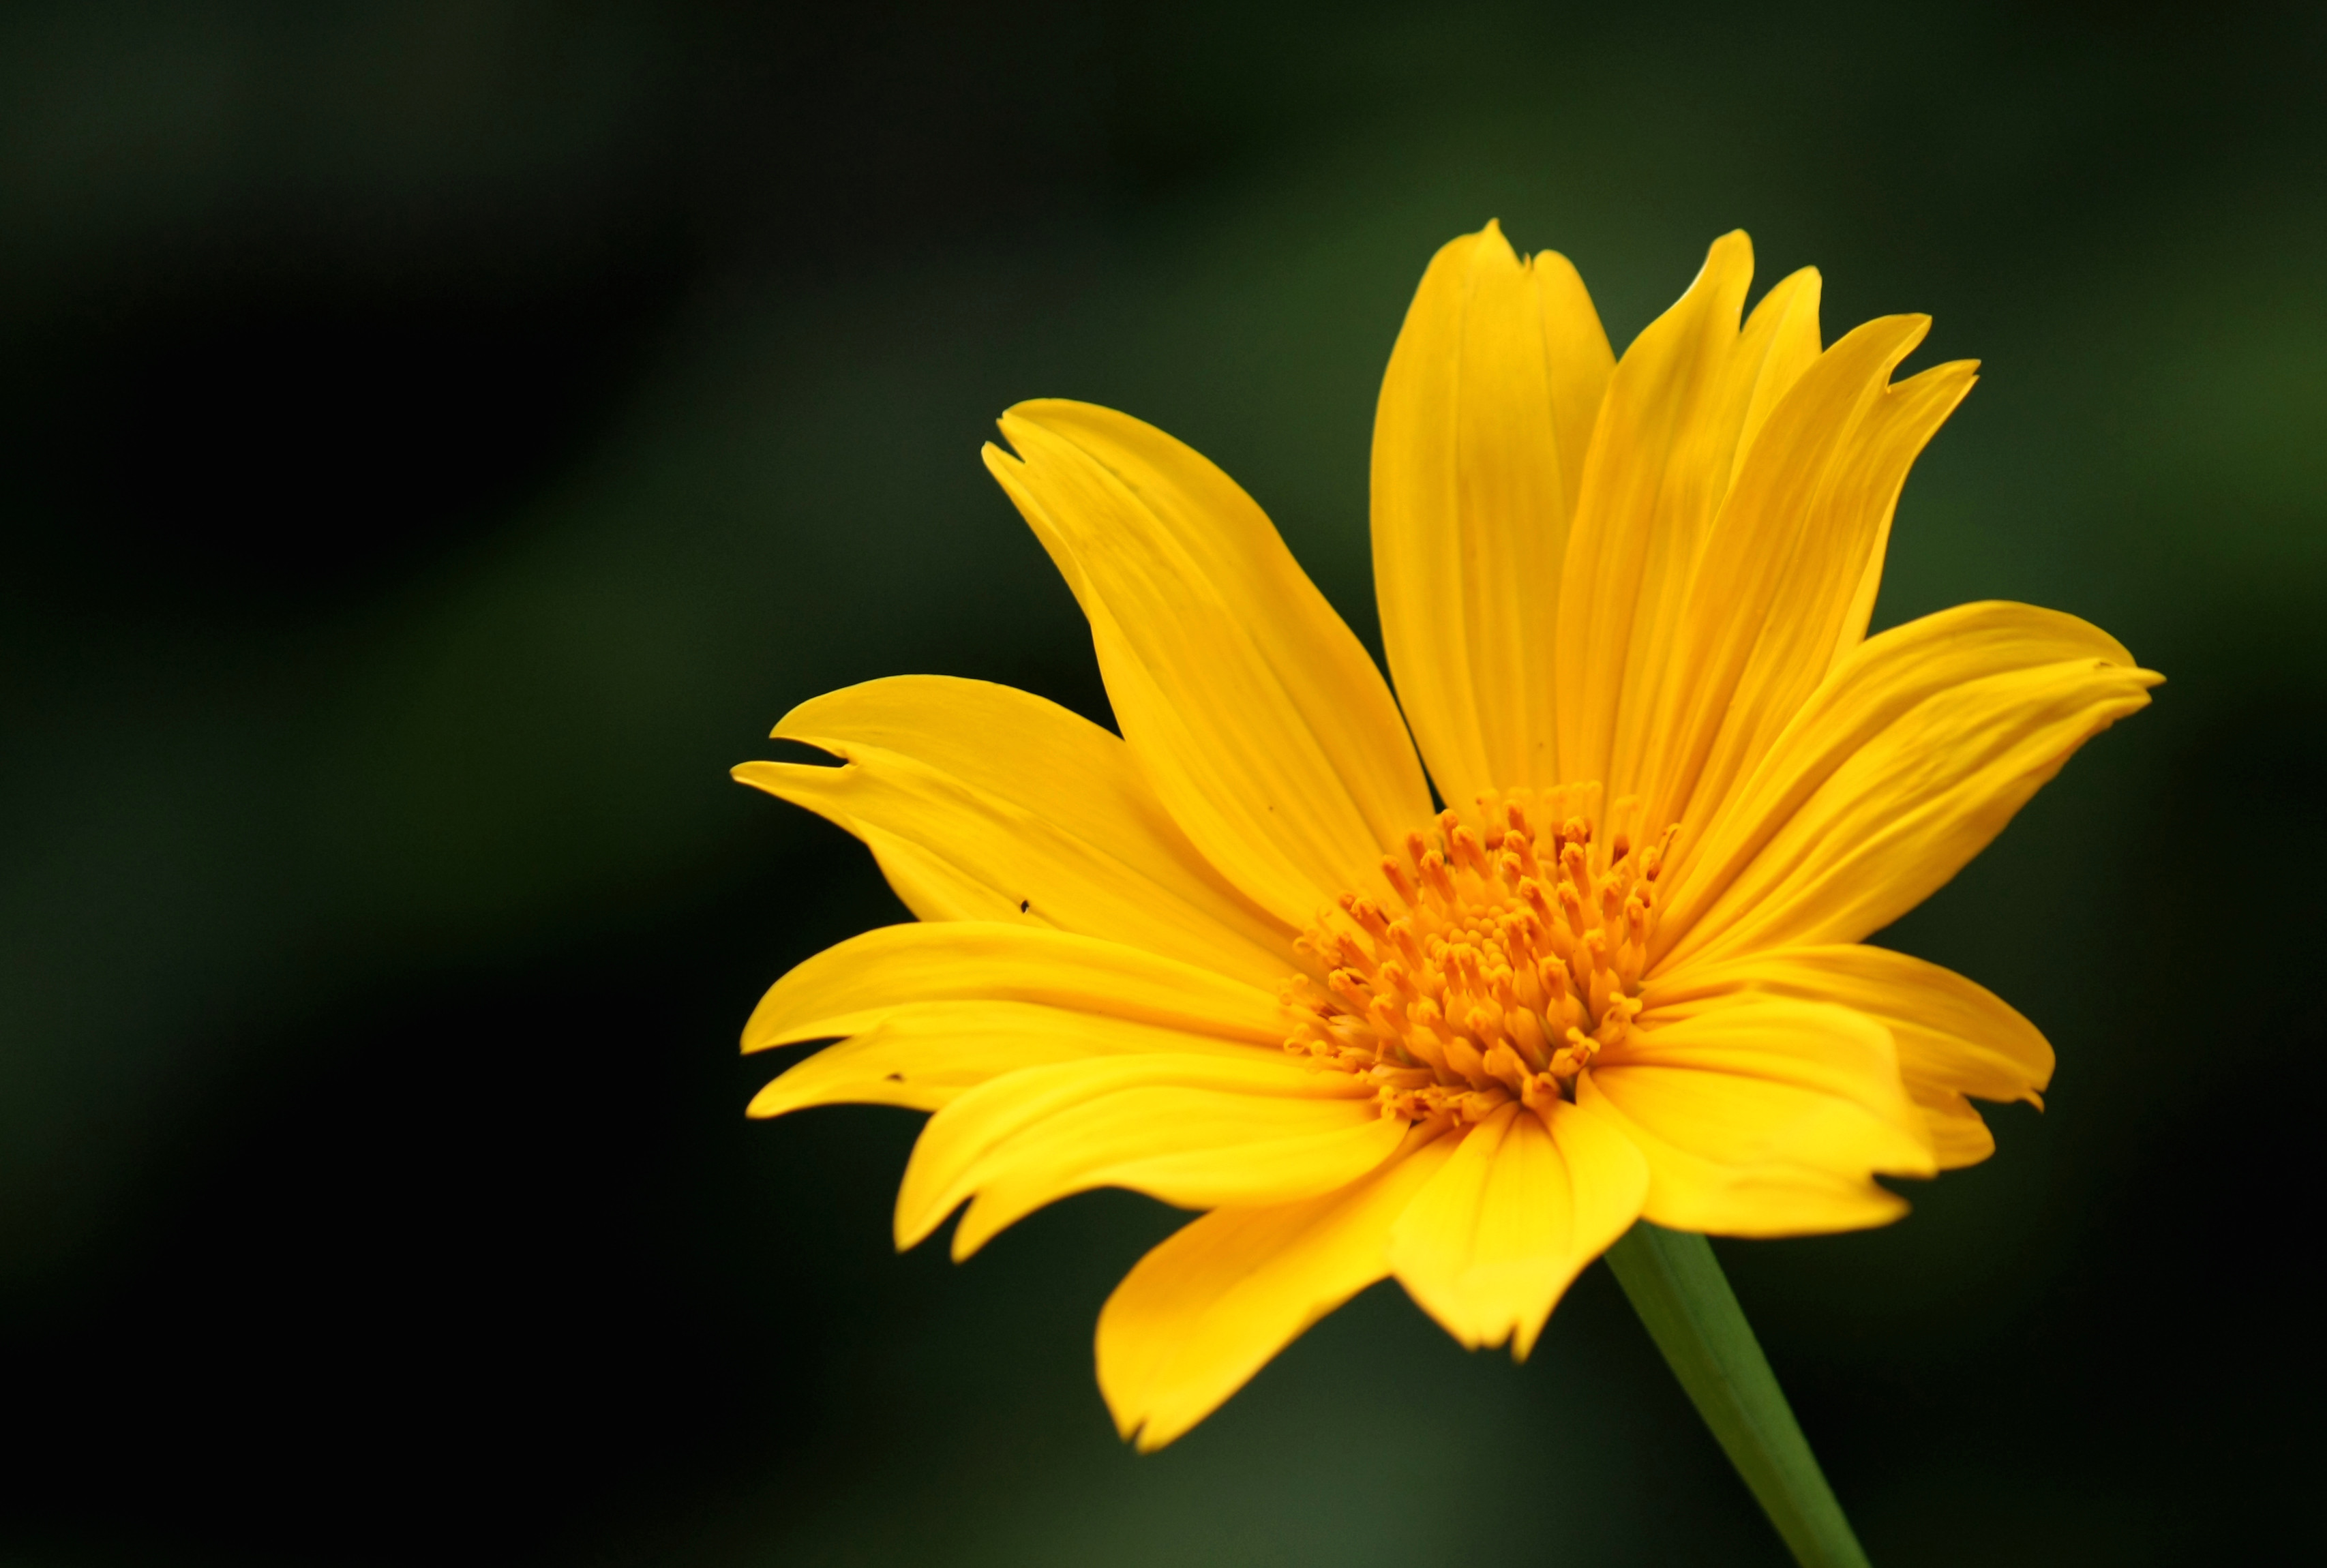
(1507, 955)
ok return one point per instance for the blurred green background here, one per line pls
(440, 439)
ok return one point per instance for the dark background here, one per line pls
(436, 440)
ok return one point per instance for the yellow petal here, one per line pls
(1881, 681)
(1494, 1238)
(1256, 714)
(985, 803)
(1763, 1116)
(1779, 345)
(1780, 569)
(925, 1054)
(1660, 461)
(1485, 416)
(1200, 1132)
(1958, 1134)
(857, 983)
(1204, 1310)
(1221, 1100)
(1902, 765)
(1950, 1031)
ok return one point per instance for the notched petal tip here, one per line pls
(1734, 250)
(1000, 460)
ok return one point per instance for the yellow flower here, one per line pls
(1236, 960)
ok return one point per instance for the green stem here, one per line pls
(1677, 1286)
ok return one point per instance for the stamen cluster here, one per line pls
(1506, 957)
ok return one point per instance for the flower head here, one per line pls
(1239, 959)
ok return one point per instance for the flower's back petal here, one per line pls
(1958, 1134)
(1264, 728)
(1485, 416)
(1489, 1245)
(1206, 1310)
(1903, 764)
(982, 802)
(1661, 459)
(1764, 1116)
(926, 1054)
(853, 985)
(1743, 388)
(1778, 579)
(1779, 343)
